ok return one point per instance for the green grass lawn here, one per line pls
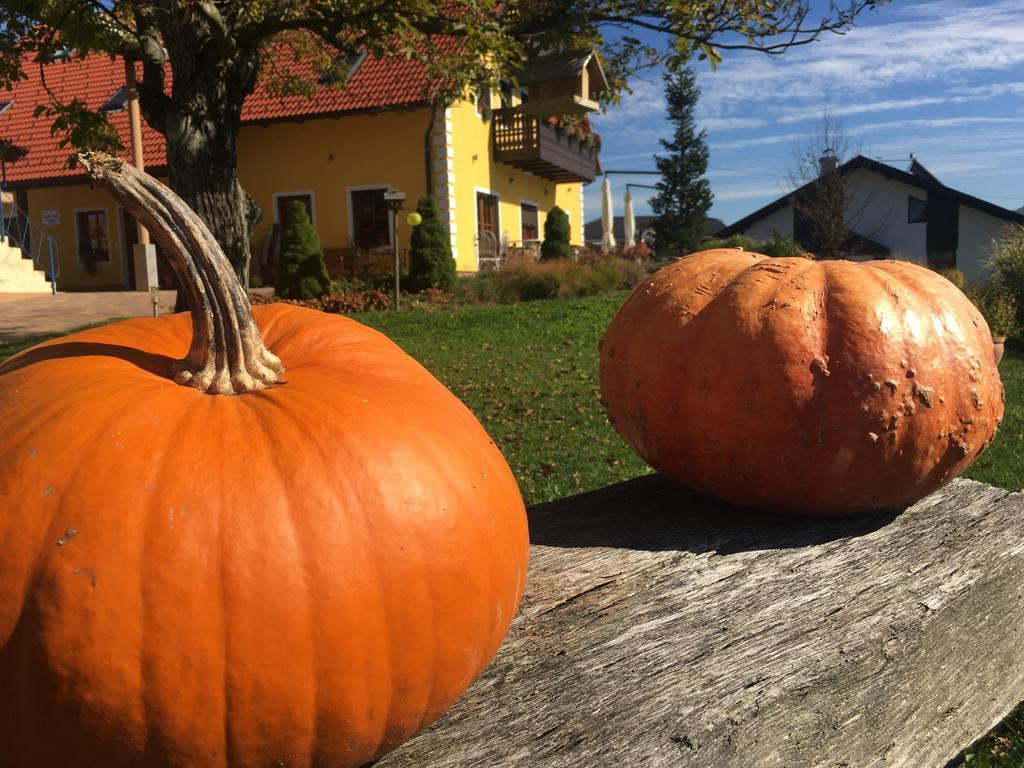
(529, 373)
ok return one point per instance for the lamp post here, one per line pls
(393, 199)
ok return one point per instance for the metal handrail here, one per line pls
(17, 228)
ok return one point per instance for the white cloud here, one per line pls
(758, 141)
(749, 191)
(843, 110)
(937, 45)
(730, 123)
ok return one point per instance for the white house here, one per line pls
(899, 214)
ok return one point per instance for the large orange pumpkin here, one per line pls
(817, 387)
(305, 574)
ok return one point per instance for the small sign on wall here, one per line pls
(50, 218)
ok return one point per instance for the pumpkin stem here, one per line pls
(227, 355)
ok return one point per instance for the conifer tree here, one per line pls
(684, 196)
(556, 236)
(301, 272)
(430, 258)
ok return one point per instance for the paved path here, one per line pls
(27, 315)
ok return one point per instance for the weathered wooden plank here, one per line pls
(660, 629)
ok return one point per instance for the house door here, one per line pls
(487, 213)
(943, 230)
(487, 251)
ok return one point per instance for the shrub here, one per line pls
(734, 241)
(998, 306)
(1006, 266)
(556, 236)
(357, 301)
(776, 246)
(555, 279)
(430, 255)
(955, 276)
(301, 272)
(639, 252)
(779, 246)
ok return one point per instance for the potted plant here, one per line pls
(999, 308)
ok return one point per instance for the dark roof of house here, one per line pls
(918, 176)
(592, 229)
(387, 82)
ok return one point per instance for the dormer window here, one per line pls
(117, 102)
(342, 69)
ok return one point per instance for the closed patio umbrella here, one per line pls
(607, 218)
(628, 222)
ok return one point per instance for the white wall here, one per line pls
(778, 223)
(882, 204)
(977, 231)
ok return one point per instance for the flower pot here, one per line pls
(998, 344)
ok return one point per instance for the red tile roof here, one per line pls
(93, 80)
(378, 83)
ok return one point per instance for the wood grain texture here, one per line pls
(662, 629)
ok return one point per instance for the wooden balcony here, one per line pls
(530, 144)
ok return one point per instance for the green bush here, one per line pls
(1006, 266)
(554, 279)
(955, 276)
(430, 256)
(734, 241)
(998, 306)
(556, 236)
(779, 246)
(301, 272)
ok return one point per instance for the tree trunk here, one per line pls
(213, 73)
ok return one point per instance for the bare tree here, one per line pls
(829, 202)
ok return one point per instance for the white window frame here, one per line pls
(352, 221)
(312, 203)
(110, 243)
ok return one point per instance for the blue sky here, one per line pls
(942, 79)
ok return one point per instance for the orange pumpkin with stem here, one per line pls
(825, 387)
(308, 572)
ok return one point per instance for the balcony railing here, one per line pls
(530, 144)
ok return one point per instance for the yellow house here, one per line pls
(496, 165)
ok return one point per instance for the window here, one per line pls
(5, 105)
(371, 224)
(93, 242)
(917, 210)
(528, 212)
(117, 102)
(342, 69)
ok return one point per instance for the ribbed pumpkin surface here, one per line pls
(304, 575)
(818, 387)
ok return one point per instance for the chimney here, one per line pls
(828, 162)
